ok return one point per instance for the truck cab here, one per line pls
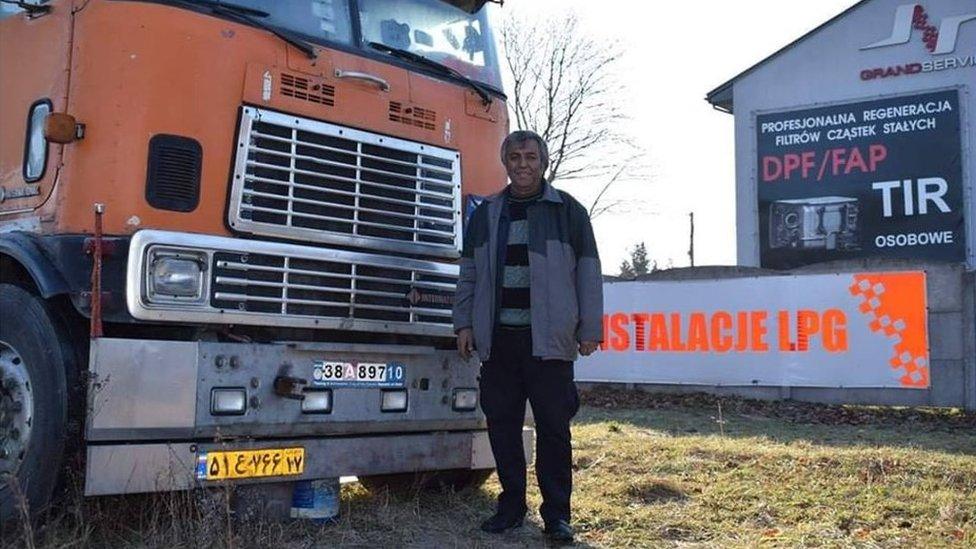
(228, 240)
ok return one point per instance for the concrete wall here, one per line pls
(824, 69)
(951, 299)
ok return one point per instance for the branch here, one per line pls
(565, 88)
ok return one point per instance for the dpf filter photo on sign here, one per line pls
(820, 223)
(879, 178)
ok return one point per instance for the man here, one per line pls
(529, 297)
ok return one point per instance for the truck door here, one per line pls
(34, 72)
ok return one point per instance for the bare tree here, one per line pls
(628, 167)
(564, 88)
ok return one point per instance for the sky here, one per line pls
(675, 53)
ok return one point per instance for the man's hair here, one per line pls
(521, 136)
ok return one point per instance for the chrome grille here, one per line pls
(303, 179)
(277, 284)
(294, 286)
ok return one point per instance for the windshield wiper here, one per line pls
(247, 15)
(430, 63)
(243, 10)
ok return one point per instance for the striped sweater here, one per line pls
(515, 308)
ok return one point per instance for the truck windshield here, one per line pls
(318, 20)
(431, 28)
(435, 30)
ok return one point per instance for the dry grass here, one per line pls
(651, 477)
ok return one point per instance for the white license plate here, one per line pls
(370, 374)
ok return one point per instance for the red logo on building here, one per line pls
(911, 17)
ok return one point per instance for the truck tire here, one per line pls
(407, 483)
(35, 354)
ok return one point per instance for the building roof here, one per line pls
(721, 97)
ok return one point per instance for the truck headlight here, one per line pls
(175, 276)
(465, 400)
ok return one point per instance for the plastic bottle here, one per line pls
(316, 500)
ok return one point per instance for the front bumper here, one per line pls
(136, 468)
(154, 390)
(150, 412)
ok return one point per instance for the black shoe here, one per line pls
(559, 531)
(499, 523)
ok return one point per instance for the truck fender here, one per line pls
(22, 250)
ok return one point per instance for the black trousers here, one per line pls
(508, 378)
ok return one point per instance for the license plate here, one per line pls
(358, 374)
(270, 462)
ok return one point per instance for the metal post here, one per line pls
(969, 340)
(691, 243)
(96, 275)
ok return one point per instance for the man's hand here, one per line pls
(465, 343)
(586, 348)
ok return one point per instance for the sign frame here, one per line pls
(963, 236)
(831, 330)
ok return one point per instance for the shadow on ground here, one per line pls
(203, 518)
(945, 430)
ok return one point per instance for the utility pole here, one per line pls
(691, 243)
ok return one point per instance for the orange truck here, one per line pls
(228, 241)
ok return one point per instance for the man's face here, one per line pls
(523, 161)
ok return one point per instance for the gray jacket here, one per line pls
(564, 276)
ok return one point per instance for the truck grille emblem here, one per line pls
(266, 86)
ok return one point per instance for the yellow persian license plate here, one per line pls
(269, 462)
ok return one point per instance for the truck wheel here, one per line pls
(34, 355)
(406, 483)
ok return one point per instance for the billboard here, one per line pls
(829, 330)
(874, 178)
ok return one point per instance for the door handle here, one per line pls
(365, 76)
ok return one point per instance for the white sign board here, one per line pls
(831, 330)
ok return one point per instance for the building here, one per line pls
(856, 139)
(854, 198)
